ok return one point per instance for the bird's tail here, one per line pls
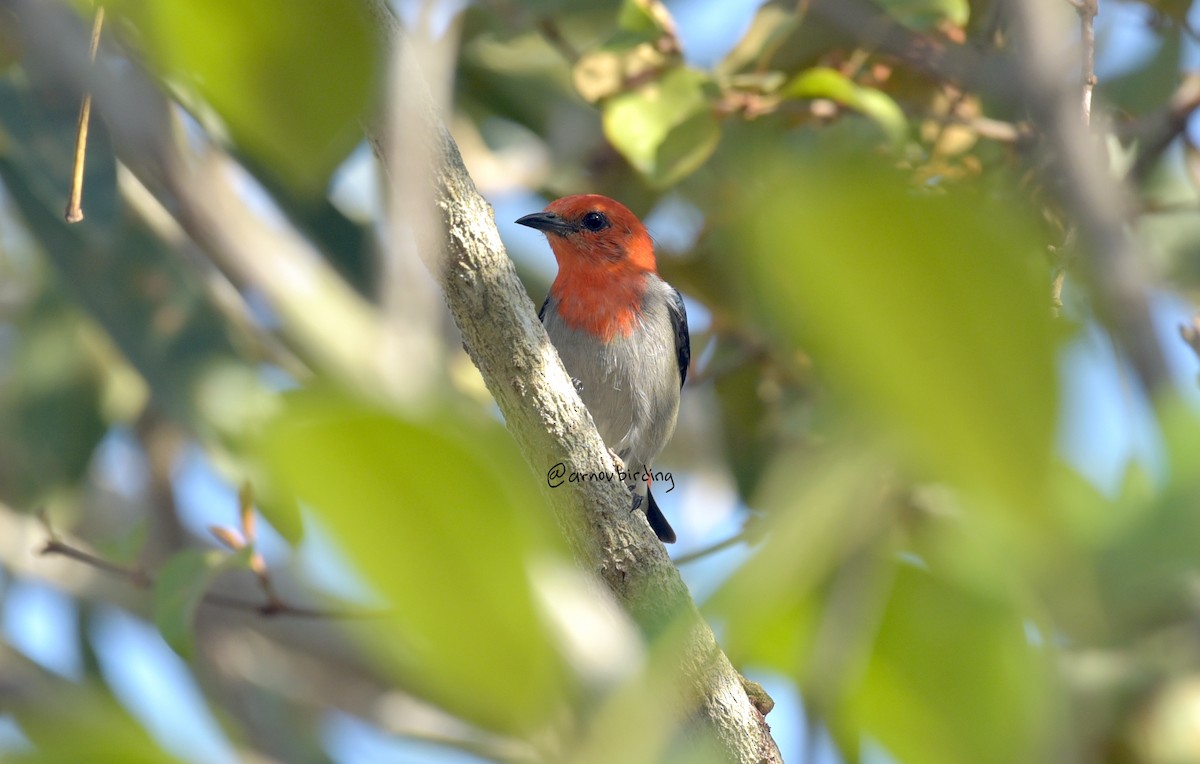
(658, 521)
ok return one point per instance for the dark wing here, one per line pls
(683, 341)
(542, 310)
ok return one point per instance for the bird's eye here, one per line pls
(595, 221)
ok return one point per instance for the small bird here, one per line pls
(620, 330)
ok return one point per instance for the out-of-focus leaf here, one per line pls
(646, 20)
(441, 517)
(1146, 571)
(77, 724)
(291, 82)
(1173, 9)
(604, 72)
(181, 584)
(1148, 87)
(126, 548)
(869, 636)
(947, 663)
(147, 299)
(820, 509)
(634, 52)
(665, 128)
(927, 308)
(749, 437)
(641, 720)
(771, 25)
(50, 401)
(823, 82)
(923, 14)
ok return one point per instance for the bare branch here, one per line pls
(1096, 204)
(1087, 10)
(74, 211)
(143, 580)
(712, 549)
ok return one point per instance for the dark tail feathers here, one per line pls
(658, 521)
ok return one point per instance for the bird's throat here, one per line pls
(605, 304)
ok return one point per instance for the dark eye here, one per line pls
(595, 221)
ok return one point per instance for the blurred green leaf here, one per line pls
(906, 650)
(148, 300)
(665, 128)
(926, 306)
(181, 584)
(1146, 572)
(948, 663)
(83, 724)
(290, 81)
(773, 22)
(823, 82)
(819, 508)
(1149, 86)
(441, 517)
(644, 20)
(923, 14)
(50, 403)
(126, 548)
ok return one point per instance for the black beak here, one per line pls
(548, 222)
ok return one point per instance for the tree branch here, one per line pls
(546, 417)
(1087, 10)
(1094, 201)
(143, 580)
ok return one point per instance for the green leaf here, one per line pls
(644, 20)
(928, 308)
(180, 586)
(666, 129)
(290, 81)
(823, 82)
(70, 723)
(924, 14)
(1148, 87)
(920, 654)
(441, 517)
(126, 548)
(773, 22)
(949, 662)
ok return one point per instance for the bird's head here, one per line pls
(590, 230)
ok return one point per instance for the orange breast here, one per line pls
(604, 304)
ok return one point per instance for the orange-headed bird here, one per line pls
(620, 330)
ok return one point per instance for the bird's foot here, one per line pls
(637, 500)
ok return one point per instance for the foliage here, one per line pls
(880, 378)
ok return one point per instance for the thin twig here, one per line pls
(1097, 207)
(1156, 132)
(143, 580)
(1087, 10)
(554, 36)
(74, 211)
(733, 540)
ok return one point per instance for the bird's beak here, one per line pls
(548, 222)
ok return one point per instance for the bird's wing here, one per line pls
(683, 342)
(542, 310)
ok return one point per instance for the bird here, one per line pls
(621, 331)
